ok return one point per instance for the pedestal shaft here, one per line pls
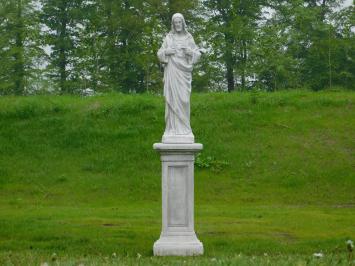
(178, 236)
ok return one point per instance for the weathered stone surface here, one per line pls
(178, 54)
(177, 151)
(178, 237)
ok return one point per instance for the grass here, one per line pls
(238, 259)
(79, 178)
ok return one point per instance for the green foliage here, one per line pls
(104, 45)
(62, 21)
(305, 44)
(19, 43)
(232, 31)
(270, 60)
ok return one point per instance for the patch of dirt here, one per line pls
(344, 206)
(213, 233)
(284, 235)
(108, 225)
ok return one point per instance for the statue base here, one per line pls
(178, 236)
(178, 246)
(190, 138)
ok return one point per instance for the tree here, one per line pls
(312, 40)
(62, 22)
(111, 44)
(18, 45)
(343, 48)
(234, 23)
(273, 66)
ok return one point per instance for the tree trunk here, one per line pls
(244, 62)
(324, 2)
(329, 60)
(62, 51)
(112, 52)
(19, 58)
(230, 72)
(245, 58)
(229, 61)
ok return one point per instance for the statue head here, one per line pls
(178, 23)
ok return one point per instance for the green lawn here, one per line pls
(273, 185)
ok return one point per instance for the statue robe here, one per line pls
(177, 83)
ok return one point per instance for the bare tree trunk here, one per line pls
(62, 51)
(329, 62)
(19, 58)
(244, 62)
(229, 61)
(230, 74)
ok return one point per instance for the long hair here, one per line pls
(184, 27)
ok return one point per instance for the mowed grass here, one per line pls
(79, 178)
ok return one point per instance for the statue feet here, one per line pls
(186, 138)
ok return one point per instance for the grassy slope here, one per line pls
(80, 176)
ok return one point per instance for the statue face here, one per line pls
(178, 24)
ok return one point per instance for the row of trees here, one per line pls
(67, 46)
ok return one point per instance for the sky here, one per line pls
(348, 2)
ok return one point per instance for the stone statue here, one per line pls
(178, 54)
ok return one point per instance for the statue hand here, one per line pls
(170, 51)
(188, 51)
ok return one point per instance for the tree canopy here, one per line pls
(62, 46)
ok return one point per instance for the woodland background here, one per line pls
(69, 46)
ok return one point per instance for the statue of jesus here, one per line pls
(178, 54)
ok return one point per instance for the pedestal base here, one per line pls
(178, 236)
(190, 138)
(178, 246)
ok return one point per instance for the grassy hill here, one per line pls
(79, 176)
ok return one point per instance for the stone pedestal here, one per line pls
(178, 237)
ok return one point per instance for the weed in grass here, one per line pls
(210, 162)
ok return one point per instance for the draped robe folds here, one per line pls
(177, 84)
